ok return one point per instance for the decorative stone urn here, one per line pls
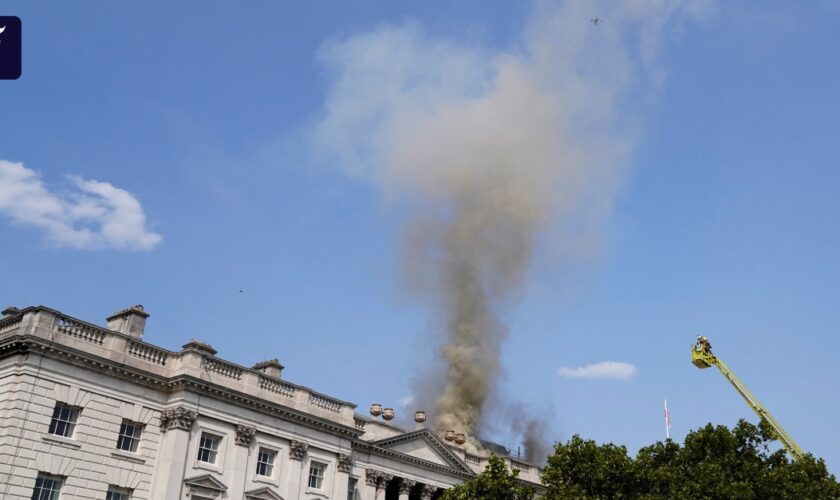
(419, 416)
(449, 435)
(376, 409)
(388, 414)
(460, 438)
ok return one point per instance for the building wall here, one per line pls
(89, 458)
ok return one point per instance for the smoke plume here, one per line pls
(487, 149)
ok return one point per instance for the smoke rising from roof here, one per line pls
(487, 149)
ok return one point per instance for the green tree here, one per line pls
(583, 469)
(496, 483)
(713, 463)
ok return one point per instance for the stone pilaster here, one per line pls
(244, 438)
(175, 426)
(297, 476)
(345, 463)
(245, 434)
(344, 466)
(177, 418)
(297, 449)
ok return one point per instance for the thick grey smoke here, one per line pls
(486, 149)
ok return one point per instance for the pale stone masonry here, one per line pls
(90, 412)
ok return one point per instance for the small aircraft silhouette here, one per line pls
(596, 20)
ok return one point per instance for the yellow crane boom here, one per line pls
(702, 357)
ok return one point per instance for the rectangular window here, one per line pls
(129, 436)
(351, 488)
(265, 462)
(208, 447)
(63, 420)
(47, 487)
(117, 493)
(316, 474)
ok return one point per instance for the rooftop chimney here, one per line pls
(272, 368)
(129, 321)
(202, 347)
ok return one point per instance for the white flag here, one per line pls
(667, 421)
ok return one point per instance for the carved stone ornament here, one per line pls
(245, 434)
(345, 462)
(384, 479)
(372, 477)
(177, 418)
(426, 491)
(406, 485)
(297, 449)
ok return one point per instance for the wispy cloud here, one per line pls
(406, 401)
(604, 369)
(91, 215)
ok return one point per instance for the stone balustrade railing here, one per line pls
(277, 386)
(57, 327)
(80, 329)
(9, 324)
(360, 422)
(325, 402)
(147, 352)
(223, 368)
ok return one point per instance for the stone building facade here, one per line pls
(90, 412)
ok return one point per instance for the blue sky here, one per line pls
(722, 222)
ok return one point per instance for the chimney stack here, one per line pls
(131, 321)
(272, 368)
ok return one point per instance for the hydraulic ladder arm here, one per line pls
(702, 357)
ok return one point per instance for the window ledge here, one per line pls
(198, 464)
(313, 491)
(61, 440)
(133, 457)
(266, 480)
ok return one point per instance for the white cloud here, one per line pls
(406, 401)
(93, 215)
(604, 369)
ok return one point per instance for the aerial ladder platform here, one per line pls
(702, 357)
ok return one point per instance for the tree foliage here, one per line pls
(496, 482)
(714, 462)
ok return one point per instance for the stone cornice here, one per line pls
(20, 344)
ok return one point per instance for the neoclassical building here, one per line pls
(91, 412)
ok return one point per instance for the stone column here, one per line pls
(426, 491)
(244, 438)
(382, 485)
(175, 426)
(371, 482)
(297, 450)
(405, 488)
